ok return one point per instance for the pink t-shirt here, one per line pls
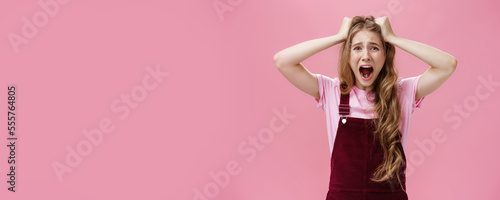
(361, 107)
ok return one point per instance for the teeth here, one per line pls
(366, 67)
(365, 75)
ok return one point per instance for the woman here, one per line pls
(367, 107)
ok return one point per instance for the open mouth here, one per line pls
(366, 72)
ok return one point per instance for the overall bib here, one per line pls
(356, 155)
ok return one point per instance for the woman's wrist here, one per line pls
(299, 52)
(392, 39)
(341, 37)
(338, 38)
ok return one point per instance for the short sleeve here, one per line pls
(321, 100)
(326, 85)
(409, 90)
(417, 103)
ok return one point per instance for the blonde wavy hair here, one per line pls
(386, 102)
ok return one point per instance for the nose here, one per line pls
(366, 55)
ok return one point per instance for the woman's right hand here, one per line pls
(344, 28)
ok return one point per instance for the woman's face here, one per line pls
(367, 58)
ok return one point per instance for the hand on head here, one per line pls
(344, 28)
(383, 22)
(385, 25)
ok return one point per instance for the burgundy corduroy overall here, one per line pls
(356, 155)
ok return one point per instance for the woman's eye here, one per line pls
(374, 48)
(357, 48)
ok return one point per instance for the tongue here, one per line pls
(366, 71)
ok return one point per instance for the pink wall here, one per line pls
(153, 101)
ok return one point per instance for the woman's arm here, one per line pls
(288, 61)
(442, 65)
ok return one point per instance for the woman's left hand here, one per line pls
(385, 25)
(442, 64)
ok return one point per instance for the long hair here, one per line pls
(386, 102)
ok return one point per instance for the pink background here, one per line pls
(223, 91)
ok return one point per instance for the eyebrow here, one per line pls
(372, 43)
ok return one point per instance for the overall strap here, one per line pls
(344, 108)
